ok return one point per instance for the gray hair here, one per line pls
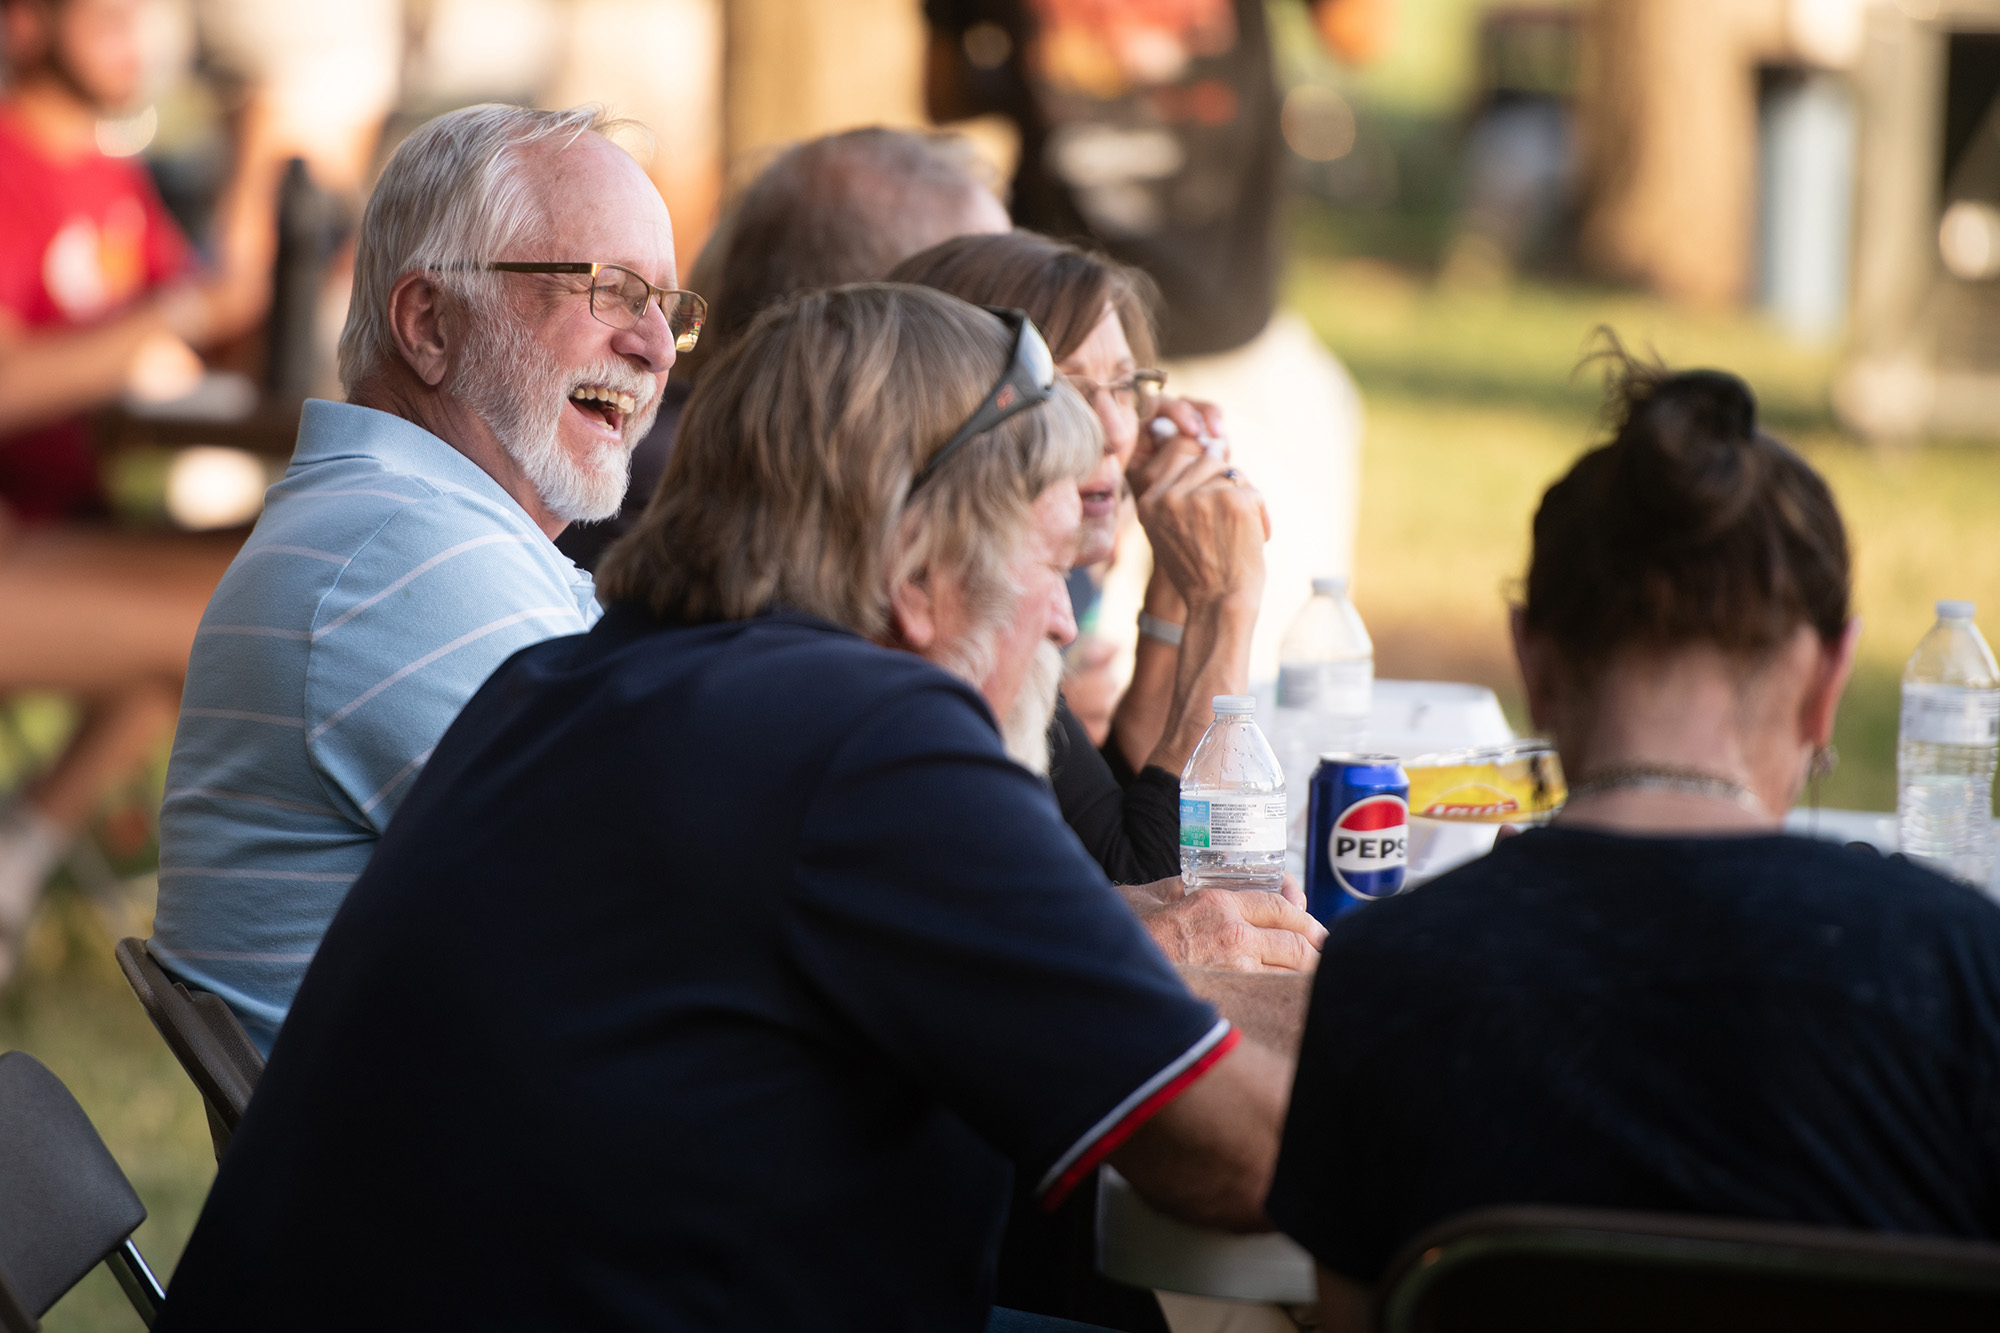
(454, 194)
(790, 479)
(843, 208)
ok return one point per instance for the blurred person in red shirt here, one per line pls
(99, 298)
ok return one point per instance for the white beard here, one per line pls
(521, 397)
(1025, 729)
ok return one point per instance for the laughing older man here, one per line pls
(514, 317)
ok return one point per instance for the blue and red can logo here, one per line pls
(1359, 807)
(1369, 846)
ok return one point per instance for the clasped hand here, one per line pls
(1228, 930)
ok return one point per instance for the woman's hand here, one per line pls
(1206, 523)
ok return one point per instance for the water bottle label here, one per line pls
(1951, 715)
(1327, 687)
(1234, 823)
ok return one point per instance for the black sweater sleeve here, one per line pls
(1132, 831)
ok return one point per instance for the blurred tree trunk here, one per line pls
(796, 70)
(1667, 118)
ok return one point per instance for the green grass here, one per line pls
(70, 1007)
(1475, 406)
(72, 1010)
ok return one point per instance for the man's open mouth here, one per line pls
(606, 405)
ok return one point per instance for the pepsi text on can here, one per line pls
(1359, 813)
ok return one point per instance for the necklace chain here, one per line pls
(1667, 778)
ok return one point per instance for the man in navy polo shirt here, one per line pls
(721, 967)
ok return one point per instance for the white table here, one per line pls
(1874, 827)
(1146, 1248)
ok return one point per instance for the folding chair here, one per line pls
(1572, 1270)
(203, 1035)
(65, 1207)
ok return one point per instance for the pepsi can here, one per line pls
(1359, 815)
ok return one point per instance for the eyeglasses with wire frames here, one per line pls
(1138, 393)
(1028, 381)
(619, 297)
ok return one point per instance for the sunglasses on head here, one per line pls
(1028, 381)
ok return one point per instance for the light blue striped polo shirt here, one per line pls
(386, 579)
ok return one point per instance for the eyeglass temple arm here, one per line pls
(523, 266)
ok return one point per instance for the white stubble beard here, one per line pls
(1024, 732)
(521, 398)
(1025, 729)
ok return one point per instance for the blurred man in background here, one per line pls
(513, 318)
(1150, 128)
(98, 298)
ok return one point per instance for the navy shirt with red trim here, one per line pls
(711, 977)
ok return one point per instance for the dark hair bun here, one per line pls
(1691, 524)
(1687, 451)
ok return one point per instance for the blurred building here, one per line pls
(1679, 102)
(1924, 356)
(1836, 161)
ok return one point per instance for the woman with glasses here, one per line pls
(1205, 523)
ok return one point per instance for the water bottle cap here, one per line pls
(1234, 703)
(1951, 609)
(1328, 586)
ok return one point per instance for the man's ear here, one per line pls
(415, 323)
(912, 615)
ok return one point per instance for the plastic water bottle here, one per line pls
(1326, 669)
(1945, 749)
(1233, 804)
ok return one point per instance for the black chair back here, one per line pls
(1568, 1270)
(204, 1036)
(65, 1207)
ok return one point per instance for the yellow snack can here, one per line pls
(1520, 782)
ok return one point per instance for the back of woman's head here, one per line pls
(1690, 526)
(790, 481)
(1063, 287)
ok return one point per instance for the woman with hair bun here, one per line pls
(1661, 1002)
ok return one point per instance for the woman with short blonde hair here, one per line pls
(862, 385)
